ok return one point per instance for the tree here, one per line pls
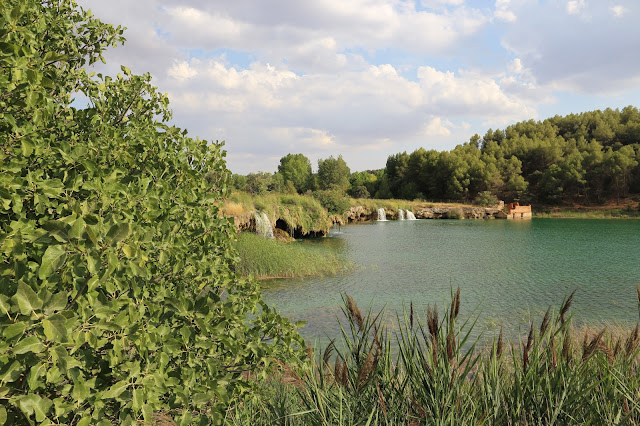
(333, 173)
(297, 169)
(117, 297)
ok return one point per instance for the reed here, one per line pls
(430, 371)
(264, 258)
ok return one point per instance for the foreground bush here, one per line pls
(117, 303)
(430, 372)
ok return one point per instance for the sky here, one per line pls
(366, 79)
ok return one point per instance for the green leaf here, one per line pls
(35, 404)
(115, 390)
(52, 259)
(28, 300)
(3, 415)
(118, 232)
(30, 344)
(13, 372)
(54, 328)
(15, 329)
(27, 147)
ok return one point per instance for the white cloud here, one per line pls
(574, 7)
(618, 11)
(570, 55)
(368, 78)
(181, 71)
(502, 12)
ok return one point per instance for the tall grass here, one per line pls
(623, 213)
(438, 375)
(264, 258)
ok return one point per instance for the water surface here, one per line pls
(508, 271)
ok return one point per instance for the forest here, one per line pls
(588, 158)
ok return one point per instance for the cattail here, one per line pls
(566, 306)
(526, 348)
(432, 321)
(451, 345)
(499, 346)
(337, 369)
(545, 321)
(326, 356)
(638, 293)
(455, 306)
(616, 349)
(632, 341)
(369, 365)
(375, 336)
(411, 316)
(354, 313)
(595, 343)
(383, 404)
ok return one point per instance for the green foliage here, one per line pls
(264, 258)
(588, 158)
(258, 183)
(429, 370)
(296, 168)
(117, 302)
(334, 200)
(485, 199)
(333, 173)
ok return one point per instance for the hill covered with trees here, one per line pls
(588, 158)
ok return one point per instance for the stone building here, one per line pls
(516, 211)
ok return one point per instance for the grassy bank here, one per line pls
(264, 258)
(438, 376)
(298, 211)
(624, 213)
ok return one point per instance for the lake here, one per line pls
(508, 271)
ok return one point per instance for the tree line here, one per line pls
(590, 157)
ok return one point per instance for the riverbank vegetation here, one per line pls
(263, 258)
(590, 158)
(429, 371)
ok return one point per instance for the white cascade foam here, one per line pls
(382, 215)
(263, 225)
(410, 215)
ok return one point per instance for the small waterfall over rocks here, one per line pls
(382, 215)
(410, 215)
(263, 225)
(400, 214)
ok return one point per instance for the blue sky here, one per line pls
(369, 78)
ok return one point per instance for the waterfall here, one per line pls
(382, 215)
(400, 214)
(263, 225)
(410, 215)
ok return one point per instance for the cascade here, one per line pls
(400, 214)
(382, 215)
(263, 225)
(410, 215)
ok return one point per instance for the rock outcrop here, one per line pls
(457, 213)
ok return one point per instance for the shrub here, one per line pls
(334, 200)
(117, 297)
(485, 199)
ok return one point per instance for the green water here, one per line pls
(508, 271)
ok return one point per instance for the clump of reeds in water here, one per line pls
(438, 375)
